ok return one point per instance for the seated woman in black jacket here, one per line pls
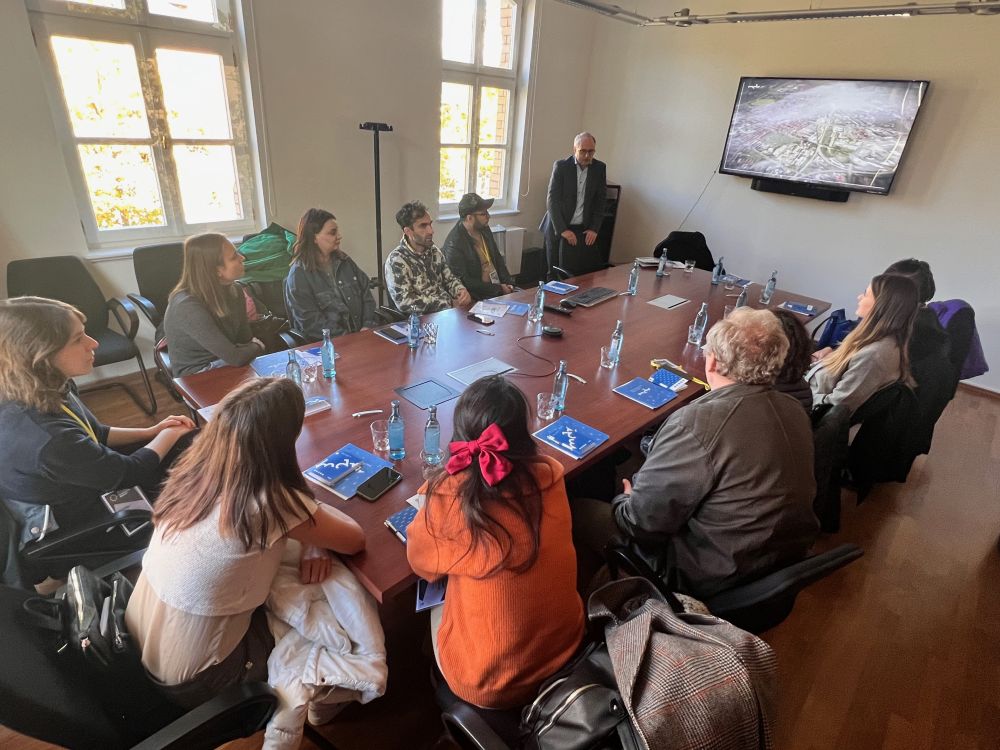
(56, 458)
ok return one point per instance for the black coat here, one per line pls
(465, 263)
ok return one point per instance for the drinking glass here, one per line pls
(429, 333)
(380, 435)
(310, 373)
(728, 282)
(606, 360)
(546, 405)
(694, 335)
(688, 266)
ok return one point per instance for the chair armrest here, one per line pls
(388, 315)
(122, 309)
(53, 543)
(563, 273)
(147, 308)
(292, 338)
(236, 712)
(463, 719)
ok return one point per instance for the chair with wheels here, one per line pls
(682, 246)
(755, 606)
(58, 698)
(471, 727)
(67, 278)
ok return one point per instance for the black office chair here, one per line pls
(880, 451)
(474, 728)
(831, 427)
(58, 698)
(755, 606)
(682, 246)
(61, 549)
(157, 270)
(66, 278)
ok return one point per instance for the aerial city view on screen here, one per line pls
(848, 134)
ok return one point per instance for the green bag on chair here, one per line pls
(268, 254)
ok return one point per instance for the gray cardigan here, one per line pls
(197, 339)
(869, 370)
(726, 492)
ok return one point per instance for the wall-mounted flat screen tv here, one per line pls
(841, 134)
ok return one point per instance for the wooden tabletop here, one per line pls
(369, 368)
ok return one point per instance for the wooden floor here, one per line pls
(898, 651)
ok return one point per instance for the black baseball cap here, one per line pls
(472, 203)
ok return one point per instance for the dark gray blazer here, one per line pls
(561, 199)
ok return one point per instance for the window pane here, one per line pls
(454, 174)
(456, 113)
(116, 4)
(498, 34)
(489, 172)
(209, 185)
(100, 82)
(494, 106)
(458, 30)
(193, 10)
(194, 93)
(122, 184)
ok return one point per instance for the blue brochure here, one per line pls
(335, 472)
(397, 523)
(560, 287)
(515, 308)
(273, 365)
(668, 379)
(643, 392)
(573, 438)
(799, 307)
(431, 593)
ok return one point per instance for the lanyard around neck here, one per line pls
(83, 422)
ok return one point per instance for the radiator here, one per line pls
(510, 242)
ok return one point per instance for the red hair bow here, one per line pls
(493, 466)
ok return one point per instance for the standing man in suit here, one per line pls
(575, 208)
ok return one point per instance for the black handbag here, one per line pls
(90, 616)
(579, 708)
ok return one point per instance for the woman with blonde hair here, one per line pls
(876, 353)
(56, 457)
(206, 322)
(220, 528)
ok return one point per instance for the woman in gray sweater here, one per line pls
(206, 322)
(875, 354)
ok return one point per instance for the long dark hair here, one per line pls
(244, 461)
(800, 347)
(487, 401)
(305, 251)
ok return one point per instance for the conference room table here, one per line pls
(369, 368)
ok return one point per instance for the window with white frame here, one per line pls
(149, 107)
(479, 44)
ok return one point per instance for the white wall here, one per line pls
(661, 99)
(323, 67)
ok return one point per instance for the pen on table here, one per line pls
(485, 333)
(344, 474)
(369, 411)
(577, 378)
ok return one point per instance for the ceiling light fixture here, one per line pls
(683, 18)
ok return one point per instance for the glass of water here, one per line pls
(546, 406)
(688, 266)
(728, 282)
(429, 333)
(694, 335)
(380, 435)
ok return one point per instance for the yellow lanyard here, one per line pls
(82, 422)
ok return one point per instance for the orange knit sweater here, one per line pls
(501, 636)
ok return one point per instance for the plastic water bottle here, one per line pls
(292, 370)
(413, 332)
(701, 320)
(535, 313)
(329, 356)
(633, 280)
(397, 448)
(432, 438)
(661, 270)
(560, 385)
(765, 296)
(718, 272)
(741, 301)
(615, 350)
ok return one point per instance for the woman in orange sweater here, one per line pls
(496, 522)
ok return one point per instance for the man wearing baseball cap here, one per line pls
(472, 252)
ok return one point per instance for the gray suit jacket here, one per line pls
(560, 203)
(726, 492)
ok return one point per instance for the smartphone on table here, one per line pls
(378, 483)
(483, 320)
